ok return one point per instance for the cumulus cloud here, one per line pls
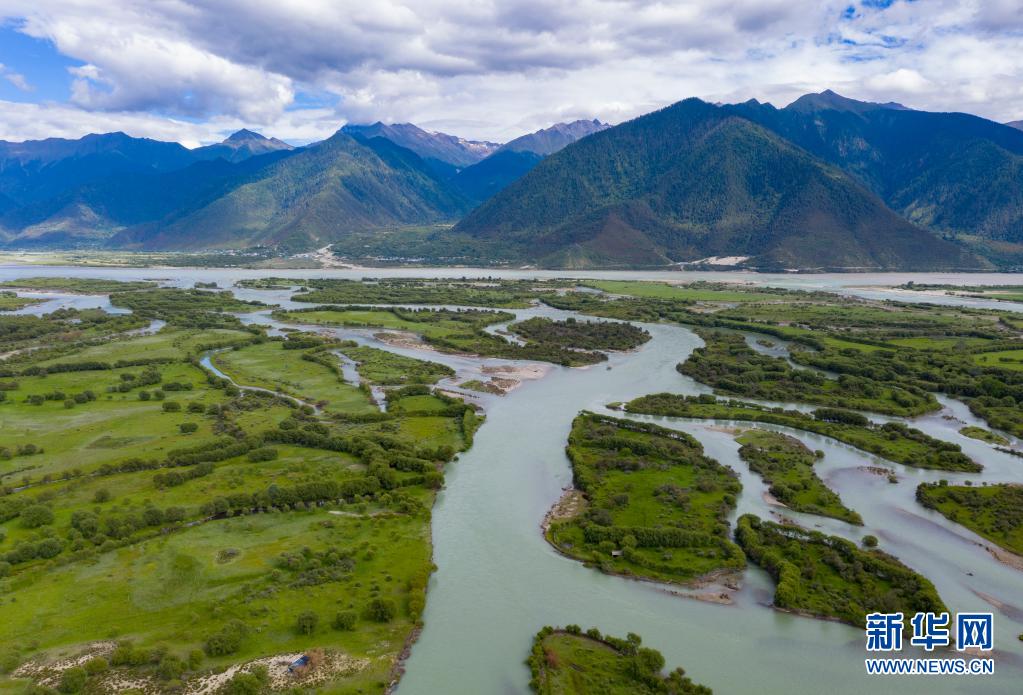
(496, 69)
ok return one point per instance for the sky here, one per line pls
(196, 70)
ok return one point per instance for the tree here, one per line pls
(36, 515)
(307, 622)
(870, 541)
(185, 427)
(102, 495)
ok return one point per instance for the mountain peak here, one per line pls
(549, 140)
(831, 100)
(245, 135)
(1018, 125)
(432, 146)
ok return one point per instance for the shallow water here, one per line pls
(498, 581)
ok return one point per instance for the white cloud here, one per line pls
(496, 69)
(15, 78)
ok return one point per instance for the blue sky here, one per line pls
(195, 70)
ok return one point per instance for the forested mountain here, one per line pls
(310, 198)
(692, 181)
(953, 173)
(550, 140)
(94, 212)
(445, 153)
(1015, 124)
(483, 179)
(823, 182)
(38, 169)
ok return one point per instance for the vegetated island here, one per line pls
(829, 577)
(919, 349)
(994, 511)
(729, 365)
(485, 292)
(654, 506)
(892, 440)
(569, 662)
(462, 331)
(786, 465)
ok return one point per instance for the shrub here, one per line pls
(186, 427)
(171, 406)
(96, 665)
(381, 610)
(263, 453)
(73, 680)
(35, 516)
(307, 622)
(102, 495)
(345, 620)
(227, 641)
(870, 541)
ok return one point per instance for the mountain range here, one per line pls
(825, 182)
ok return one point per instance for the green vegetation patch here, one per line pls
(150, 502)
(992, 511)
(582, 335)
(892, 440)
(10, 301)
(77, 285)
(449, 330)
(655, 506)
(983, 435)
(786, 465)
(485, 292)
(386, 368)
(192, 308)
(568, 662)
(298, 373)
(829, 577)
(728, 364)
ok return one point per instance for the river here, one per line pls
(498, 581)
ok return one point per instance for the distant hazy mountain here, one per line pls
(953, 173)
(550, 140)
(241, 145)
(693, 181)
(96, 211)
(1015, 124)
(446, 153)
(312, 197)
(38, 169)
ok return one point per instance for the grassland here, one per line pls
(992, 511)
(786, 465)
(827, 576)
(153, 515)
(568, 662)
(893, 441)
(268, 365)
(655, 506)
